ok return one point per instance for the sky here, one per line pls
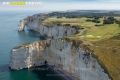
(61, 5)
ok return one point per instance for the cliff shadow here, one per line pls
(46, 73)
(30, 33)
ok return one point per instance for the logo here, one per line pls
(22, 3)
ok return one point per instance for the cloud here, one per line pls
(114, 0)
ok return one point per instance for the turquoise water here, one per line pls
(9, 38)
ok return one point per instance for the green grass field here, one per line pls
(99, 39)
(89, 27)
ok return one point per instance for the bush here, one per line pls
(88, 20)
(109, 20)
(117, 22)
(99, 25)
(106, 21)
(96, 21)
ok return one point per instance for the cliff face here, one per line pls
(70, 57)
(49, 32)
(21, 25)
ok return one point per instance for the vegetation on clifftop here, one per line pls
(103, 41)
(98, 35)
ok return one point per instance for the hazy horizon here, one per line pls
(62, 5)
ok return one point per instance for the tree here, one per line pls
(117, 22)
(109, 20)
(96, 21)
(88, 20)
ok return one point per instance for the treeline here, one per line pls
(111, 20)
(95, 15)
(83, 13)
(95, 19)
(107, 20)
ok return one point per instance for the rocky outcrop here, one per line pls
(69, 56)
(21, 25)
(56, 31)
(27, 21)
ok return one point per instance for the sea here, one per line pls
(9, 38)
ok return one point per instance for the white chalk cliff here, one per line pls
(21, 25)
(51, 32)
(59, 52)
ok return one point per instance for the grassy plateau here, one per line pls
(103, 41)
